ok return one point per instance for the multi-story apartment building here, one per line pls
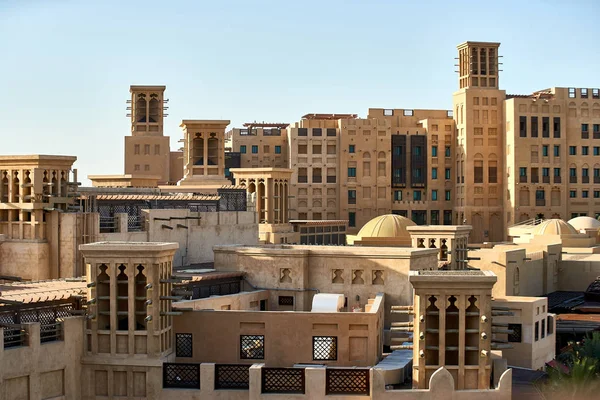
(260, 144)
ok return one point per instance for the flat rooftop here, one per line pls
(40, 291)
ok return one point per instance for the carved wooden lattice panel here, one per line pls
(184, 345)
(252, 347)
(283, 380)
(182, 376)
(324, 348)
(347, 381)
(229, 376)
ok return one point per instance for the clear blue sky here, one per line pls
(66, 65)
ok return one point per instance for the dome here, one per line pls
(554, 227)
(387, 226)
(581, 223)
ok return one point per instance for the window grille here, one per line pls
(181, 376)
(283, 380)
(252, 347)
(347, 381)
(229, 376)
(324, 348)
(184, 345)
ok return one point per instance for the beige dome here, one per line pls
(555, 227)
(387, 226)
(581, 223)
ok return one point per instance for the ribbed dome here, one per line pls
(580, 223)
(555, 227)
(387, 226)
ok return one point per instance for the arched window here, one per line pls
(140, 108)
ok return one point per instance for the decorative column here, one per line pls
(269, 203)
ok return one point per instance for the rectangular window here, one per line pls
(277, 149)
(545, 150)
(596, 172)
(523, 171)
(302, 131)
(573, 172)
(448, 195)
(434, 195)
(523, 126)
(556, 171)
(252, 347)
(447, 173)
(317, 132)
(352, 172)
(157, 149)
(417, 151)
(331, 131)
(184, 345)
(434, 173)
(417, 195)
(397, 150)
(585, 133)
(478, 172)
(596, 151)
(556, 150)
(534, 126)
(572, 194)
(324, 348)
(136, 167)
(266, 149)
(351, 148)
(285, 300)
(447, 151)
(545, 171)
(571, 93)
(556, 127)
(596, 131)
(585, 194)
(550, 326)
(136, 149)
(597, 194)
(515, 336)
(584, 95)
(352, 219)
(540, 195)
(537, 331)
(492, 173)
(351, 196)
(596, 93)
(254, 149)
(546, 127)
(147, 167)
(317, 149)
(302, 149)
(435, 217)
(243, 149)
(146, 149)
(433, 151)
(397, 195)
(572, 150)
(585, 150)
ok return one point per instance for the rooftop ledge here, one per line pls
(128, 246)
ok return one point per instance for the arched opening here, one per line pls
(213, 150)
(154, 108)
(140, 108)
(198, 149)
(140, 299)
(122, 299)
(103, 298)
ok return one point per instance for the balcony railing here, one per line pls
(317, 179)
(572, 179)
(557, 179)
(302, 179)
(347, 382)
(351, 200)
(585, 134)
(597, 179)
(15, 335)
(523, 178)
(540, 202)
(232, 376)
(535, 179)
(283, 380)
(331, 179)
(181, 376)
(546, 179)
(585, 179)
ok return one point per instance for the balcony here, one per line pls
(557, 179)
(585, 179)
(535, 179)
(585, 134)
(597, 179)
(351, 200)
(523, 179)
(572, 179)
(546, 179)
(596, 134)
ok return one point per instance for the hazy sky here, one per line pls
(66, 65)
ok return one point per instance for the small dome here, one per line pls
(554, 227)
(387, 226)
(580, 223)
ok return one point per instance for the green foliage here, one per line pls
(582, 379)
